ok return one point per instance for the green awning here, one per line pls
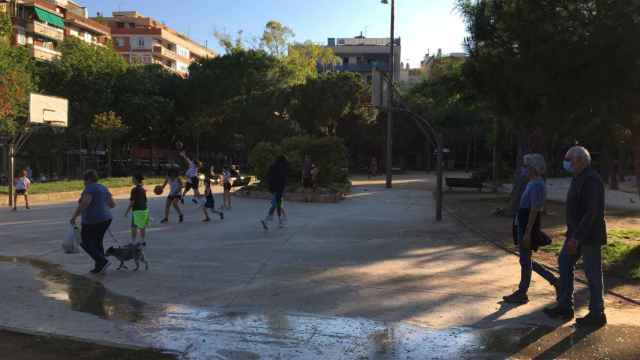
(49, 18)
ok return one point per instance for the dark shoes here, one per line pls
(164, 221)
(206, 220)
(102, 268)
(595, 320)
(181, 218)
(221, 216)
(516, 298)
(559, 312)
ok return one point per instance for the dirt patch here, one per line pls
(17, 346)
(476, 210)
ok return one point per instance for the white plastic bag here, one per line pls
(71, 242)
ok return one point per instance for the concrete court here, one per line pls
(377, 259)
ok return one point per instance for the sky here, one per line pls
(423, 25)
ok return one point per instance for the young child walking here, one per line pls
(22, 185)
(140, 211)
(210, 203)
(226, 185)
(173, 199)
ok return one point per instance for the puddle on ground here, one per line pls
(81, 293)
(239, 334)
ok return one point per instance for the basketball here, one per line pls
(158, 190)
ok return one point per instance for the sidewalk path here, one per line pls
(372, 277)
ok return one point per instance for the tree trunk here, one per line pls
(109, 149)
(466, 166)
(636, 155)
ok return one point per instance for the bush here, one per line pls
(329, 154)
(261, 157)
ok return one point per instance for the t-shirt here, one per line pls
(22, 183)
(226, 177)
(192, 171)
(139, 198)
(534, 195)
(174, 186)
(98, 211)
(306, 168)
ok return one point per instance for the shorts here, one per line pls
(21, 192)
(140, 219)
(210, 203)
(193, 183)
(174, 197)
(227, 187)
(307, 182)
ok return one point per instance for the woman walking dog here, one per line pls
(95, 207)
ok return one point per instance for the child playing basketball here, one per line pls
(193, 182)
(175, 188)
(22, 185)
(210, 204)
(226, 185)
(140, 214)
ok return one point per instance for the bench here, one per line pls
(473, 183)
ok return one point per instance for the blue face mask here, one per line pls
(567, 166)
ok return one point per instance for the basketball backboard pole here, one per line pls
(44, 111)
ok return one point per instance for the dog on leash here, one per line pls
(129, 252)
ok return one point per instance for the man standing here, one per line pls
(586, 234)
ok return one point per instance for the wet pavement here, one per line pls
(324, 288)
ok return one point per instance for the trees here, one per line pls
(16, 81)
(86, 75)
(558, 68)
(305, 58)
(275, 38)
(319, 103)
(107, 127)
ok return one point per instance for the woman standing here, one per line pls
(95, 207)
(528, 227)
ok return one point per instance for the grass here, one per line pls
(621, 255)
(77, 185)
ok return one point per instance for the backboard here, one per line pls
(48, 110)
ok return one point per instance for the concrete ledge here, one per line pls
(70, 195)
(298, 197)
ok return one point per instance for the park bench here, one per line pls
(473, 183)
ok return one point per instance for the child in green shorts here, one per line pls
(140, 214)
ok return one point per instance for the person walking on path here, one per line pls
(528, 227)
(210, 203)
(22, 185)
(226, 186)
(586, 234)
(373, 167)
(138, 204)
(193, 182)
(175, 188)
(95, 207)
(307, 178)
(277, 182)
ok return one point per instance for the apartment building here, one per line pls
(143, 40)
(41, 25)
(361, 55)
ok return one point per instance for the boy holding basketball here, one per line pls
(173, 199)
(138, 203)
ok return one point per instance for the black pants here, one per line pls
(92, 238)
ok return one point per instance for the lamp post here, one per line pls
(389, 143)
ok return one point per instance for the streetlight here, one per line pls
(389, 145)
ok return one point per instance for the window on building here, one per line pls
(182, 51)
(120, 25)
(140, 42)
(21, 38)
(119, 42)
(132, 25)
(345, 60)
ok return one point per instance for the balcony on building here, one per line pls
(163, 51)
(45, 30)
(43, 53)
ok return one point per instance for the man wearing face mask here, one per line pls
(586, 234)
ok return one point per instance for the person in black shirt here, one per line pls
(277, 182)
(140, 214)
(586, 234)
